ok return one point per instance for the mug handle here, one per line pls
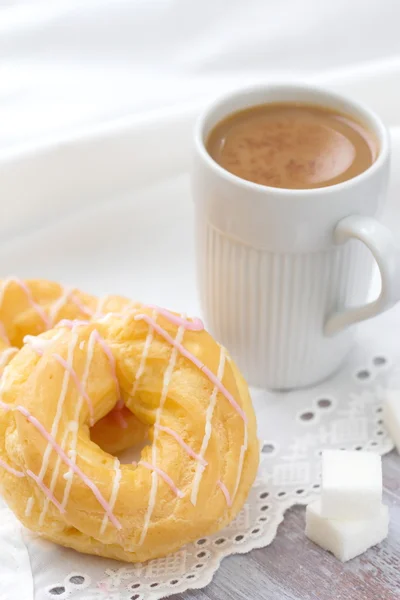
(382, 244)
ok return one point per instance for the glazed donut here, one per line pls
(178, 381)
(28, 308)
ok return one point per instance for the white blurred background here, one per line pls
(67, 65)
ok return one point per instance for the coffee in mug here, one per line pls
(292, 145)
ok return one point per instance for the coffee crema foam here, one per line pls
(292, 146)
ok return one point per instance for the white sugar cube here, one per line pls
(345, 539)
(351, 484)
(391, 416)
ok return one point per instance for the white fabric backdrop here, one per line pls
(65, 65)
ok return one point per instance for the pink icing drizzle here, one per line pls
(11, 469)
(119, 418)
(120, 404)
(31, 301)
(218, 384)
(40, 483)
(92, 486)
(163, 476)
(194, 325)
(182, 443)
(48, 493)
(78, 384)
(111, 359)
(85, 309)
(70, 323)
(224, 490)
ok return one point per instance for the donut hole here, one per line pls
(132, 454)
(124, 443)
(125, 457)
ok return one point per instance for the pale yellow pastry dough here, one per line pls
(191, 481)
(30, 307)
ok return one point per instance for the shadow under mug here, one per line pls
(284, 274)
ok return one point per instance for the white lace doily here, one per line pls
(343, 412)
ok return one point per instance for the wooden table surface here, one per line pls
(293, 568)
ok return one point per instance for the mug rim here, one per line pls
(379, 129)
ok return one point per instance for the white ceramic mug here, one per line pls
(285, 273)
